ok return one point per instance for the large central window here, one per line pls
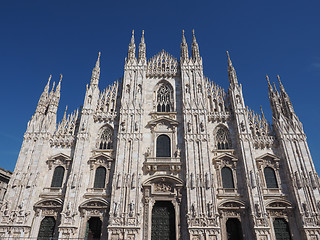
(163, 146)
(164, 98)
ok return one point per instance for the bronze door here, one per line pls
(163, 221)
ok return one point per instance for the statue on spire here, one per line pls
(142, 48)
(232, 72)
(132, 48)
(195, 47)
(184, 48)
(96, 72)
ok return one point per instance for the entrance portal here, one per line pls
(234, 230)
(163, 221)
(93, 231)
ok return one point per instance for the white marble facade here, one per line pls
(166, 135)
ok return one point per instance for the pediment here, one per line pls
(164, 121)
(278, 204)
(60, 156)
(225, 156)
(163, 179)
(268, 156)
(232, 204)
(95, 203)
(49, 203)
(101, 156)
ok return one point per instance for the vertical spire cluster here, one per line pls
(132, 48)
(142, 49)
(280, 102)
(184, 48)
(195, 47)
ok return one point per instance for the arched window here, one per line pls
(163, 146)
(164, 98)
(93, 230)
(270, 177)
(227, 178)
(57, 178)
(46, 229)
(105, 139)
(100, 178)
(281, 229)
(222, 139)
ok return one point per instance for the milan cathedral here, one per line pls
(163, 153)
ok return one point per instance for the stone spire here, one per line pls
(96, 72)
(274, 99)
(57, 92)
(195, 47)
(44, 96)
(184, 48)
(232, 73)
(132, 48)
(142, 48)
(285, 99)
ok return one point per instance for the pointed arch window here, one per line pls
(165, 98)
(100, 177)
(223, 139)
(227, 177)
(57, 178)
(105, 140)
(270, 177)
(163, 146)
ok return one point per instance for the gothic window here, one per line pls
(100, 178)
(163, 146)
(270, 177)
(46, 229)
(281, 229)
(57, 178)
(164, 99)
(234, 230)
(227, 178)
(222, 139)
(105, 139)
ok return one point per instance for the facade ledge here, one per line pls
(52, 192)
(96, 192)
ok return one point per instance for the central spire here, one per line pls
(232, 72)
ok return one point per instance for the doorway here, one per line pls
(46, 228)
(163, 221)
(93, 230)
(234, 230)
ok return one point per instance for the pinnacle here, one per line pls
(194, 36)
(98, 60)
(229, 60)
(142, 37)
(132, 37)
(183, 38)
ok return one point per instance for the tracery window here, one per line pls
(164, 98)
(105, 140)
(57, 178)
(227, 178)
(163, 146)
(100, 177)
(222, 139)
(270, 177)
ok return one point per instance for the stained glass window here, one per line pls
(222, 139)
(164, 99)
(105, 140)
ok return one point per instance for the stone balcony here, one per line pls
(154, 164)
(52, 192)
(96, 192)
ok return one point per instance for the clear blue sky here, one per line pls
(39, 38)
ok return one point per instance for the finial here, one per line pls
(65, 112)
(142, 36)
(132, 37)
(183, 38)
(98, 60)
(60, 78)
(267, 77)
(193, 36)
(262, 112)
(229, 60)
(49, 78)
(280, 83)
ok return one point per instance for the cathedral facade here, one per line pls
(163, 154)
